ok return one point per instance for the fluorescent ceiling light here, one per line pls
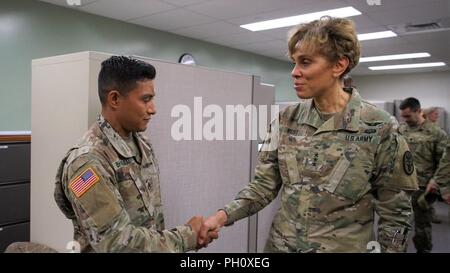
(304, 18)
(394, 57)
(405, 66)
(376, 35)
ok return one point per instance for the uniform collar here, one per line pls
(115, 139)
(426, 125)
(347, 119)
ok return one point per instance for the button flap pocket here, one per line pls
(142, 190)
(341, 181)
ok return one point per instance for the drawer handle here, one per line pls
(4, 147)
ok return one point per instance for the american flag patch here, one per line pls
(83, 182)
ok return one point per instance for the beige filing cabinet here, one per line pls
(197, 177)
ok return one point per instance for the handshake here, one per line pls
(207, 230)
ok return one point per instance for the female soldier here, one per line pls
(335, 157)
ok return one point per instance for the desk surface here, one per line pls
(15, 136)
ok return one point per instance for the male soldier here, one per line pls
(442, 174)
(108, 184)
(432, 114)
(427, 142)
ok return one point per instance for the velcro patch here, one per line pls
(82, 183)
(408, 164)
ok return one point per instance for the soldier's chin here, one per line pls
(142, 128)
(303, 96)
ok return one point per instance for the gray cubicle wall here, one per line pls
(387, 106)
(199, 177)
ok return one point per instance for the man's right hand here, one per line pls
(212, 225)
(196, 224)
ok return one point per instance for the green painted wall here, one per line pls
(33, 29)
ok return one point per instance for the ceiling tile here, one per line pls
(240, 38)
(182, 3)
(210, 30)
(416, 14)
(386, 5)
(228, 9)
(298, 9)
(126, 10)
(173, 19)
(65, 4)
(437, 37)
(278, 33)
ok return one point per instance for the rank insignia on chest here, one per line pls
(82, 183)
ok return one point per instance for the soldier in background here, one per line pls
(108, 184)
(432, 114)
(442, 175)
(338, 159)
(427, 142)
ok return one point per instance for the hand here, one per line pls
(446, 198)
(432, 187)
(196, 223)
(210, 236)
(211, 226)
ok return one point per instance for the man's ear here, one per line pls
(340, 67)
(113, 99)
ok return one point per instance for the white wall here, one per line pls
(431, 89)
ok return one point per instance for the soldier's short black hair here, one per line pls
(411, 103)
(122, 73)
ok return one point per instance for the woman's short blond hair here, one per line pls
(334, 38)
(428, 111)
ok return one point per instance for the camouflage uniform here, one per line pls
(442, 174)
(333, 175)
(427, 143)
(113, 196)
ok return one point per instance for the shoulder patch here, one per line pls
(408, 164)
(77, 152)
(82, 183)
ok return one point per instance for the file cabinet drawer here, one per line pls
(14, 203)
(14, 233)
(14, 162)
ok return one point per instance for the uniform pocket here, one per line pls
(129, 192)
(292, 168)
(337, 174)
(135, 198)
(342, 180)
